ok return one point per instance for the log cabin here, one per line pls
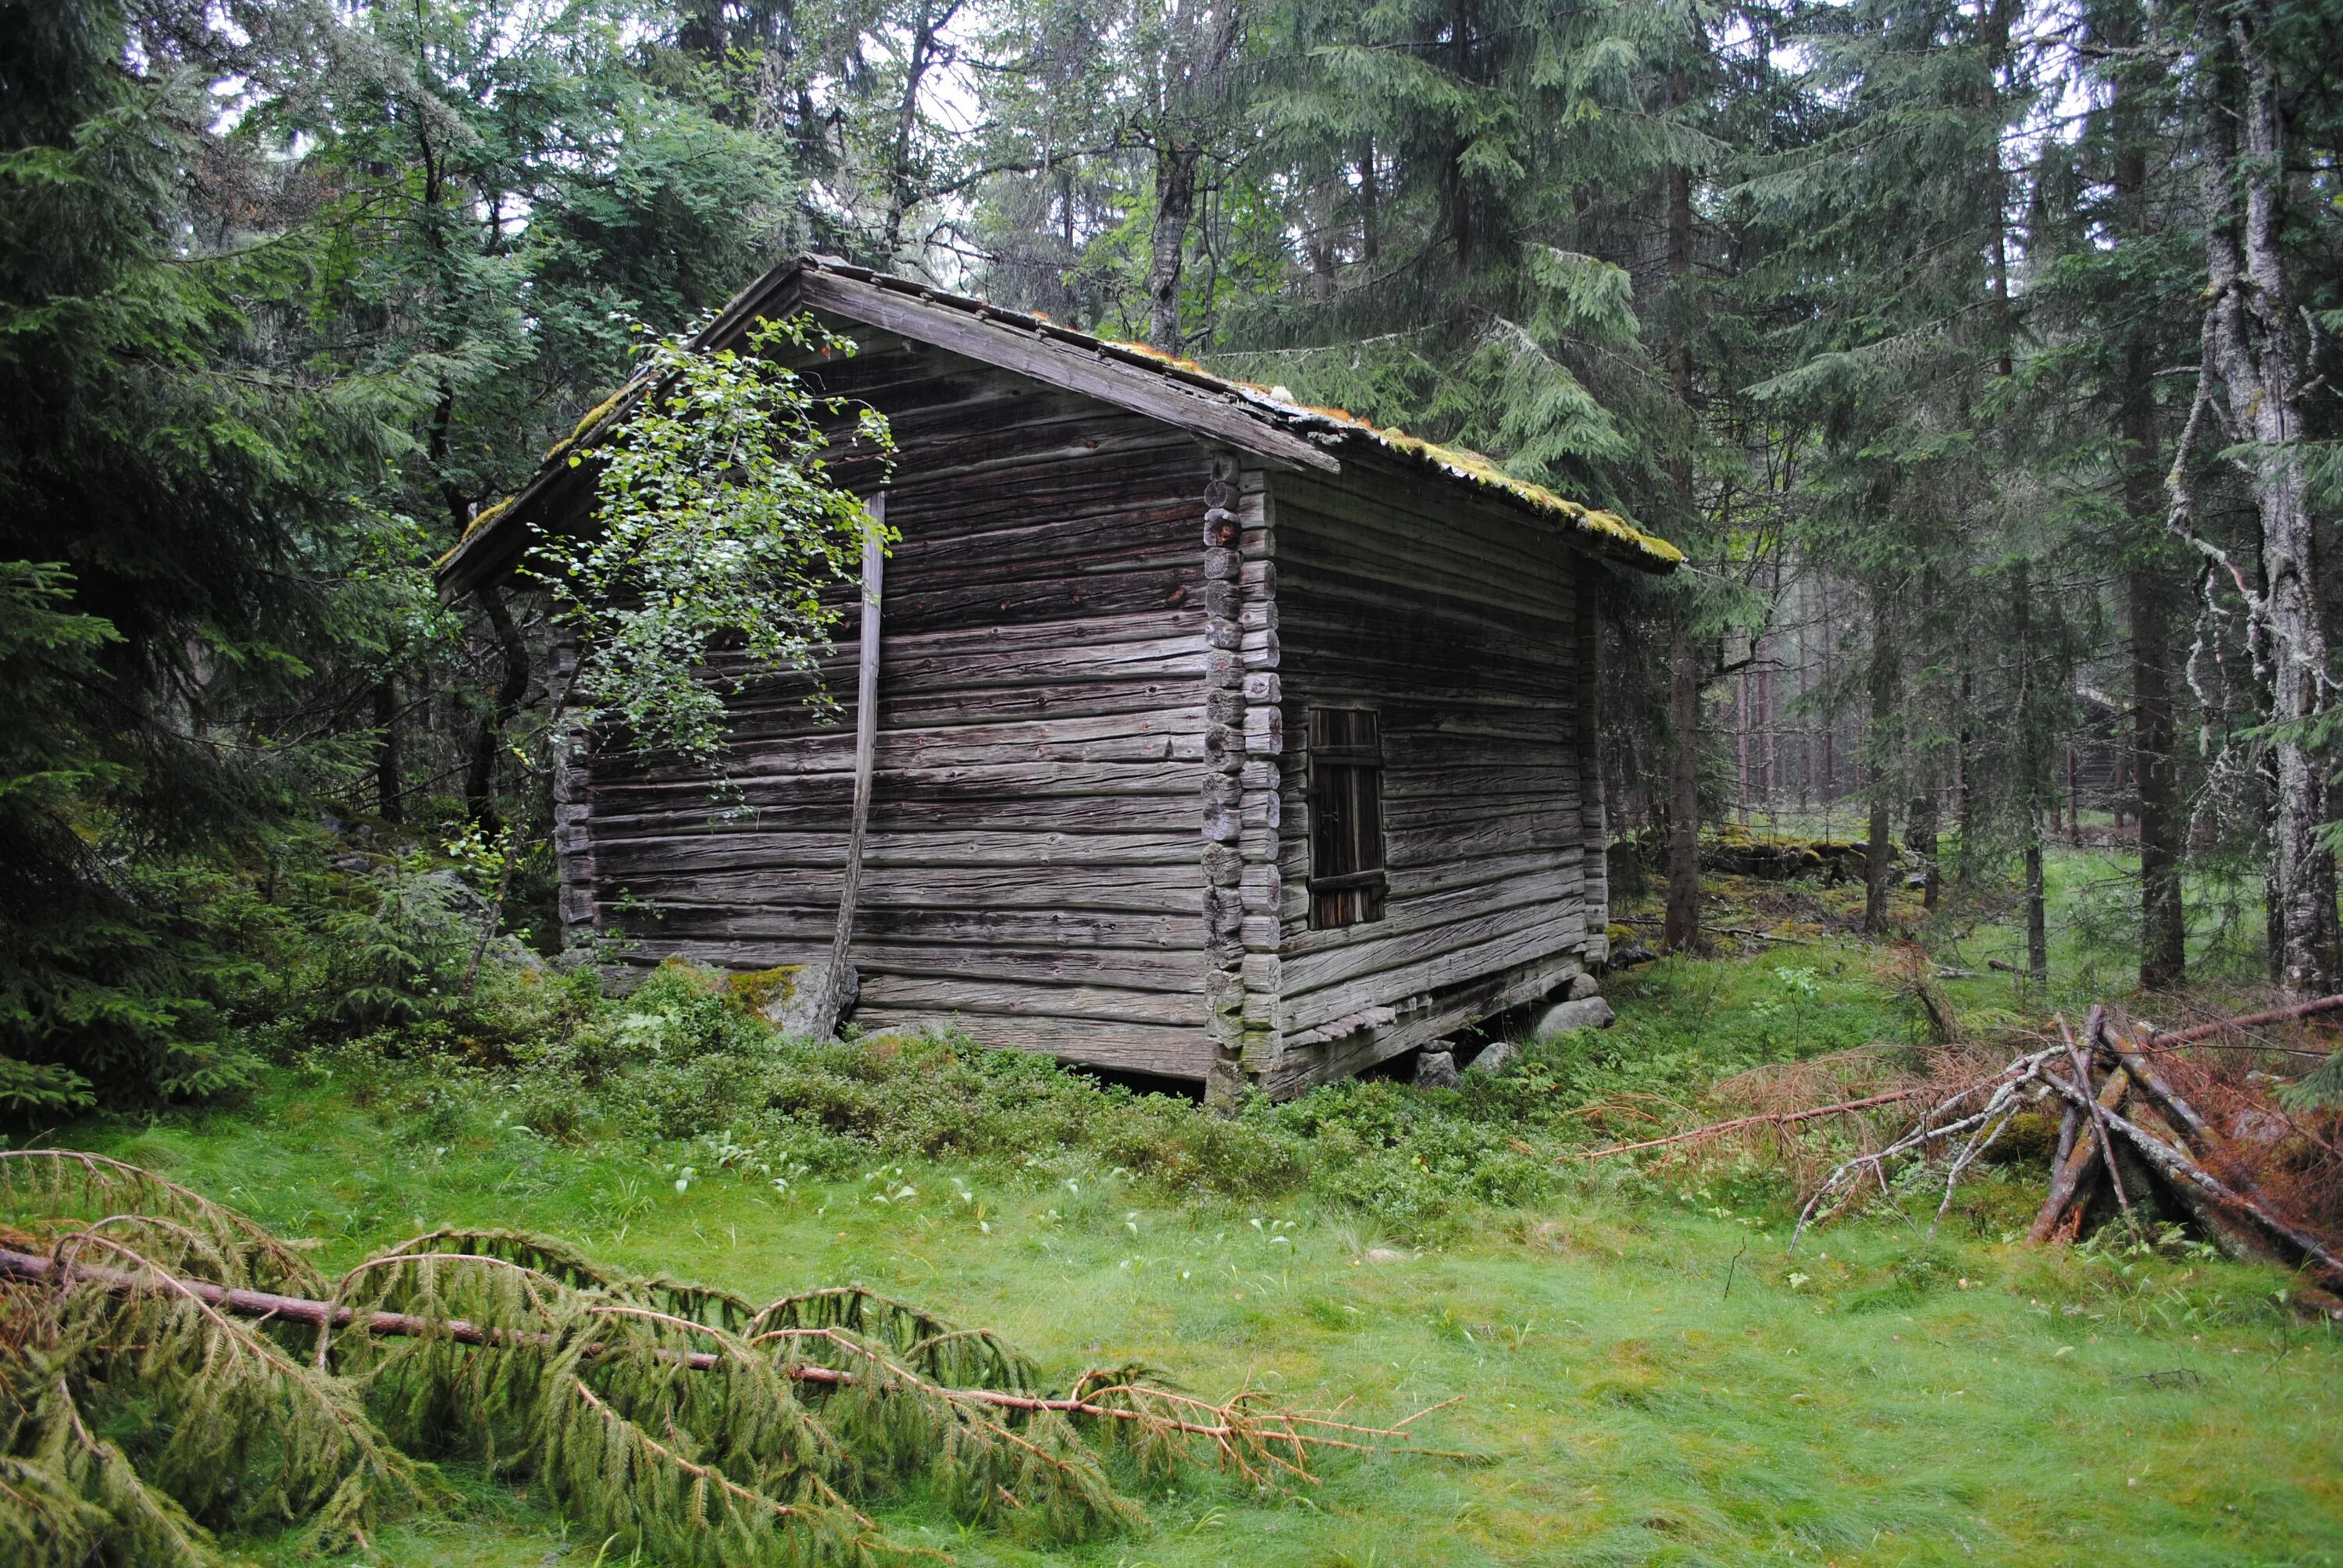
(1217, 738)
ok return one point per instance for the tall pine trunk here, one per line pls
(488, 741)
(1879, 849)
(2033, 784)
(1680, 931)
(2252, 343)
(390, 784)
(2147, 590)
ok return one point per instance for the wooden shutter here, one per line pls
(1346, 818)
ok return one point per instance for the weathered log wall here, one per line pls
(1035, 871)
(1458, 623)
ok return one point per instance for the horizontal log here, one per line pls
(1354, 1053)
(819, 805)
(1440, 842)
(969, 957)
(1128, 531)
(1167, 647)
(1002, 999)
(1347, 657)
(1451, 873)
(1373, 951)
(1178, 970)
(1461, 545)
(1111, 709)
(1427, 812)
(1168, 1052)
(1154, 736)
(1334, 576)
(1005, 856)
(1048, 436)
(883, 926)
(1388, 987)
(989, 782)
(1541, 892)
(1441, 632)
(1031, 601)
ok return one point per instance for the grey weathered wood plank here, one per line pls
(1102, 1004)
(988, 780)
(1170, 1052)
(783, 917)
(1059, 365)
(798, 805)
(1393, 953)
(977, 852)
(1548, 888)
(1476, 998)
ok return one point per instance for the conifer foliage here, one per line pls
(169, 1369)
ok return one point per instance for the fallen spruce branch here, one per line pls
(268, 1306)
(1294, 1427)
(1773, 1119)
(1953, 1115)
(674, 1419)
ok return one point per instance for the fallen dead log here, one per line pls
(1717, 931)
(2162, 1041)
(2093, 1028)
(2165, 1143)
(2179, 1167)
(2160, 1094)
(2232, 1233)
(2181, 1125)
(2078, 1162)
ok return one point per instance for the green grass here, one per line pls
(1882, 1397)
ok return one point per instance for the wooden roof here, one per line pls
(1251, 418)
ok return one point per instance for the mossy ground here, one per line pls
(1643, 1375)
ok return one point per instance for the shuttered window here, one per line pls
(1346, 818)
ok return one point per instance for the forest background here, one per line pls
(1981, 355)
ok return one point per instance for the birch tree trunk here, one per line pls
(2253, 346)
(1200, 47)
(1175, 208)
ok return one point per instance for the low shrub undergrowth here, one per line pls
(684, 1060)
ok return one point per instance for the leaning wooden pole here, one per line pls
(866, 749)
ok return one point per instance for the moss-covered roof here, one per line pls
(1456, 462)
(1604, 532)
